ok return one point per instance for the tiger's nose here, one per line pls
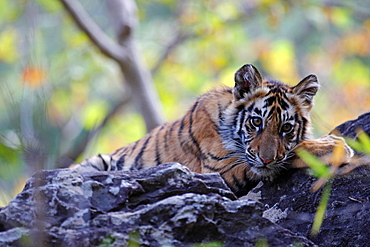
(266, 161)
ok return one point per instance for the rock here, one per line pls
(349, 128)
(163, 206)
(346, 221)
(169, 205)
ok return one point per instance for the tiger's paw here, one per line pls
(330, 149)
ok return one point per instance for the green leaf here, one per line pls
(320, 169)
(210, 244)
(50, 6)
(134, 239)
(320, 212)
(362, 144)
(94, 113)
(365, 141)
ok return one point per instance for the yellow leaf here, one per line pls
(8, 48)
(280, 61)
(340, 17)
(94, 114)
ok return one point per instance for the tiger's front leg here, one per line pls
(332, 150)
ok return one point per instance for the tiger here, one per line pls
(247, 134)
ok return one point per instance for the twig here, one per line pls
(355, 200)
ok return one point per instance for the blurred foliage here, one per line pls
(56, 86)
(317, 167)
(210, 244)
(323, 172)
(321, 209)
(262, 242)
(362, 144)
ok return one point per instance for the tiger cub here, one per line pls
(247, 133)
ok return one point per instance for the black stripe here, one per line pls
(241, 117)
(119, 151)
(168, 134)
(230, 168)
(258, 111)
(278, 111)
(169, 130)
(116, 151)
(220, 113)
(238, 182)
(200, 154)
(215, 126)
(214, 157)
(157, 155)
(106, 166)
(285, 117)
(250, 108)
(120, 162)
(264, 113)
(298, 135)
(240, 109)
(138, 163)
(283, 103)
(246, 178)
(213, 169)
(271, 112)
(269, 101)
(239, 131)
(94, 166)
(179, 134)
(248, 129)
(304, 127)
(134, 147)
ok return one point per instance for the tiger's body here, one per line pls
(247, 133)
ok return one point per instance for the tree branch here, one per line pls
(138, 77)
(96, 35)
(122, 14)
(124, 52)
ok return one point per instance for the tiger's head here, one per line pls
(267, 119)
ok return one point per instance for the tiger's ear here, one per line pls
(307, 88)
(247, 79)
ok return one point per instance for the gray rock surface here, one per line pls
(163, 206)
(346, 221)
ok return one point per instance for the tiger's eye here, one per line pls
(256, 121)
(287, 127)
